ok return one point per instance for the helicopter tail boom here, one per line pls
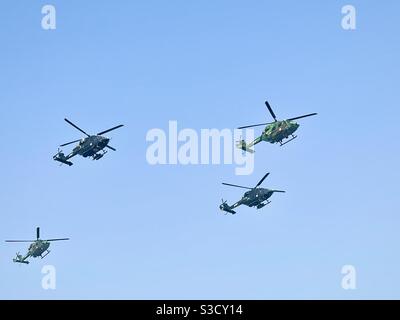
(60, 157)
(225, 207)
(242, 145)
(20, 259)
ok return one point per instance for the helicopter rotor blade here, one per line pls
(235, 185)
(113, 149)
(278, 191)
(65, 144)
(20, 240)
(108, 130)
(61, 239)
(270, 110)
(76, 127)
(306, 115)
(262, 180)
(255, 125)
(37, 233)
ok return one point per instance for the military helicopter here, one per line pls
(38, 248)
(255, 197)
(274, 132)
(89, 146)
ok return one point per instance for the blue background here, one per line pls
(155, 232)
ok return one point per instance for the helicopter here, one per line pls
(38, 248)
(255, 197)
(274, 132)
(89, 146)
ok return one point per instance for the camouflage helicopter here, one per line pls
(255, 197)
(274, 132)
(38, 248)
(87, 147)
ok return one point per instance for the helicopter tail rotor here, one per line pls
(20, 259)
(242, 145)
(60, 157)
(225, 207)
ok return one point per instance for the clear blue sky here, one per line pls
(155, 232)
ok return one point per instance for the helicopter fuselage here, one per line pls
(279, 130)
(90, 146)
(256, 197)
(37, 248)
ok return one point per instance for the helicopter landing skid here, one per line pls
(98, 156)
(46, 253)
(261, 205)
(293, 137)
